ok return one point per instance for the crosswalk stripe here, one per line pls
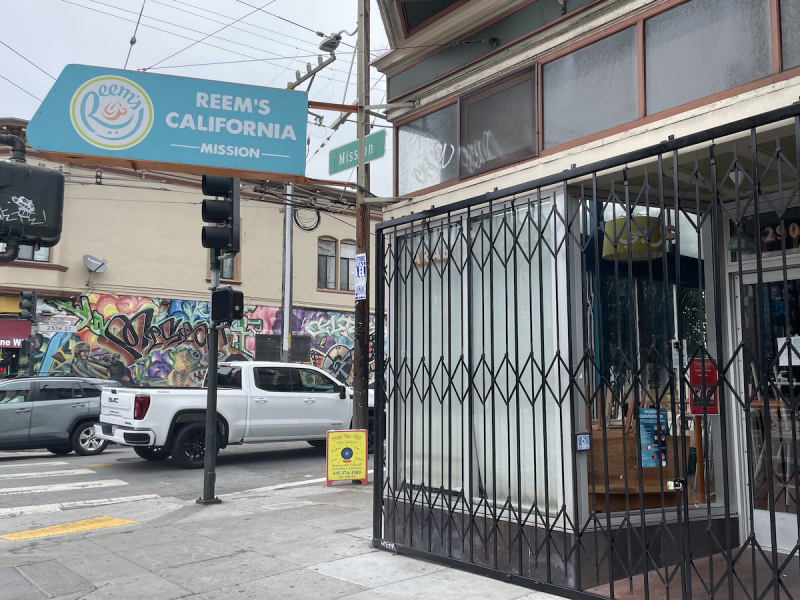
(62, 487)
(38, 464)
(65, 472)
(41, 509)
(74, 527)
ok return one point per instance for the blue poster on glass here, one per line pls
(653, 432)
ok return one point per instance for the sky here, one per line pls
(255, 48)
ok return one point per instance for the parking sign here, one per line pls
(361, 276)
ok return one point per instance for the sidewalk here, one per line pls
(303, 542)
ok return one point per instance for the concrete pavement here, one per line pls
(302, 541)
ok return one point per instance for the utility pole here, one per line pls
(288, 268)
(361, 349)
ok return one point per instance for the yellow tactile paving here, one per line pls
(74, 527)
(98, 465)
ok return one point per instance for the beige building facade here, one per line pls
(146, 314)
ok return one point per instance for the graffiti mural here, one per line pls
(154, 341)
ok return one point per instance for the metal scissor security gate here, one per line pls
(591, 381)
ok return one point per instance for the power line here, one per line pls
(278, 56)
(215, 33)
(133, 39)
(232, 62)
(185, 11)
(22, 88)
(27, 60)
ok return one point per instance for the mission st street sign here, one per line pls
(346, 157)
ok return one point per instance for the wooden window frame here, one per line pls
(31, 261)
(339, 273)
(496, 87)
(407, 33)
(237, 271)
(777, 75)
(328, 238)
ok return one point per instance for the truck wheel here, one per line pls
(84, 442)
(318, 443)
(189, 448)
(59, 450)
(155, 453)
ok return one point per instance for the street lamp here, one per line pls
(332, 41)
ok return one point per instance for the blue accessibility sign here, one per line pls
(149, 117)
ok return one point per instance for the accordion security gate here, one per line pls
(591, 381)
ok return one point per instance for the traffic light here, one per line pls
(223, 212)
(27, 305)
(31, 202)
(227, 305)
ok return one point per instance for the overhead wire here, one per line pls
(27, 60)
(205, 43)
(21, 88)
(133, 39)
(185, 11)
(214, 33)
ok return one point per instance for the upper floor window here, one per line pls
(347, 277)
(732, 37)
(426, 151)
(228, 268)
(498, 124)
(326, 264)
(29, 253)
(592, 89)
(418, 14)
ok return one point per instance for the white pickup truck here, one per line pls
(256, 402)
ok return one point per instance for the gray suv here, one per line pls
(57, 413)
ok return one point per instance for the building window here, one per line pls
(28, 253)
(790, 33)
(326, 264)
(426, 151)
(732, 37)
(228, 268)
(592, 89)
(347, 261)
(498, 124)
(268, 347)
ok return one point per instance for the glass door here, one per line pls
(770, 317)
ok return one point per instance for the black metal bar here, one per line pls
(379, 406)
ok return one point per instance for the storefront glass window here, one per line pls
(429, 398)
(732, 37)
(426, 151)
(515, 335)
(591, 90)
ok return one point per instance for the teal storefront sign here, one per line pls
(346, 157)
(149, 117)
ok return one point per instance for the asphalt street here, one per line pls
(36, 477)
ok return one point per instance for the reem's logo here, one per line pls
(111, 112)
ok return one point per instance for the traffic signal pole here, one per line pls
(210, 460)
(221, 239)
(361, 345)
(288, 269)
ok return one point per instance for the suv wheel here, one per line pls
(189, 448)
(154, 453)
(84, 442)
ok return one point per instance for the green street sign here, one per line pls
(346, 157)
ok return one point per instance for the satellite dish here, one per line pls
(94, 265)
